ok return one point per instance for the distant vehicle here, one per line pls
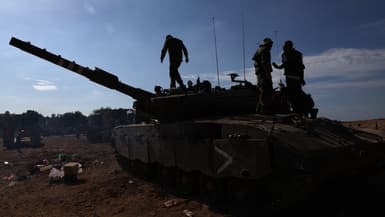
(22, 138)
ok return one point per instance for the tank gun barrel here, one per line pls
(97, 75)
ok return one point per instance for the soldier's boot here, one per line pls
(313, 113)
(259, 108)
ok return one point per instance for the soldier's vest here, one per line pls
(261, 57)
(294, 66)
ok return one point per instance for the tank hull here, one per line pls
(276, 160)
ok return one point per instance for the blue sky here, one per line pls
(343, 44)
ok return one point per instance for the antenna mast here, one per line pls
(216, 50)
(276, 40)
(243, 46)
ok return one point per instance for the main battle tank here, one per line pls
(210, 141)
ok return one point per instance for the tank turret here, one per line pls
(197, 101)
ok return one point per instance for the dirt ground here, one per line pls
(377, 124)
(103, 188)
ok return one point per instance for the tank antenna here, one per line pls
(243, 46)
(276, 39)
(216, 50)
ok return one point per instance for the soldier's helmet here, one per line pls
(169, 37)
(267, 41)
(288, 44)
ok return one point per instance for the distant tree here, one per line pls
(31, 118)
(101, 121)
(67, 123)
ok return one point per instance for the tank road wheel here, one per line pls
(247, 199)
(290, 191)
(188, 182)
(144, 170)
(203, 186)
(157, 173)
(167, 176)
(152, 171)
(133, 167)
(136, 168)
(217, 192)
(123, 162)
(195, 179)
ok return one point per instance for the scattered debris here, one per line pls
(80, 170)
(14, 178)
(173, 202)
(9, 177)
(45, 168)
(58, 163)
(55, 175)
(68, 157)
(188, 213)
(67, 172)
(11, 184)
(71, 171)
(62, 157)
(97, 163)
(170, 203)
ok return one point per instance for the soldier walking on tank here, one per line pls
(176, 49)
(263, 69)
(294, 72)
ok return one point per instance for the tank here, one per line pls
(210, 142)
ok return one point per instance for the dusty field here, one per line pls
(377, 124)
(103, 188)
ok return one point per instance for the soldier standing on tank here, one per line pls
(263, 69)
(176, 49)
(294, 71)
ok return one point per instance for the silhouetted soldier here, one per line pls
(176, 49)
(262, 64)
(294, 72)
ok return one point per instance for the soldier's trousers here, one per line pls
(294, 90)
(174, 74)
(265, 88)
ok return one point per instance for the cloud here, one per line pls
(89, 8)
(333, 68)
(42, 85)
(349, 84)
(378, 24)
(26, 78)
(11, 6)
(345, 63)
(109, 28)
(346, 67)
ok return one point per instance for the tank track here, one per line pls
(240, 197)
